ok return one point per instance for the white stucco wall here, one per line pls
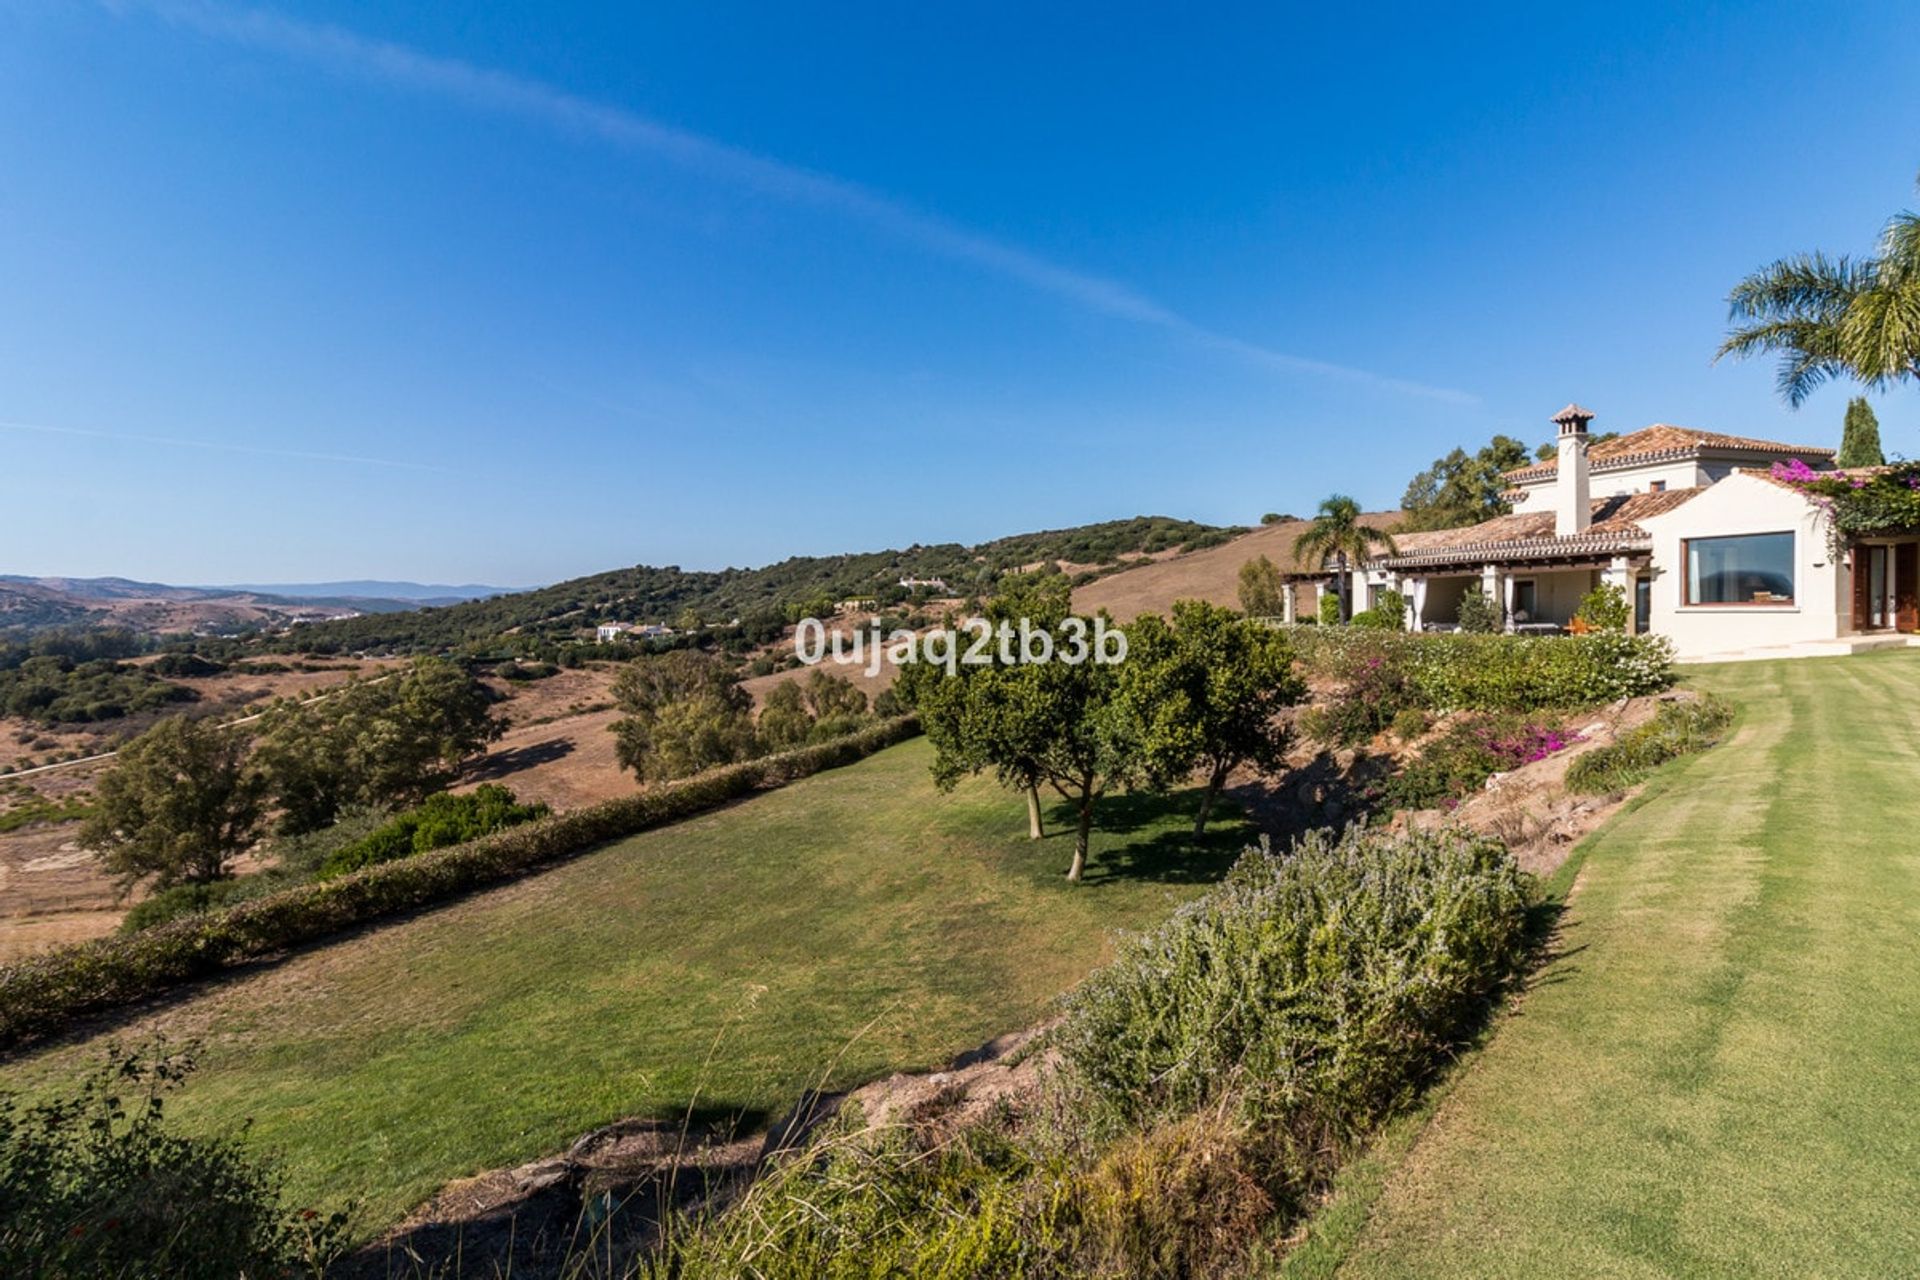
(1538, 496)
(1744, 503)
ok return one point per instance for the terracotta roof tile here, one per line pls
(1665, 440)
(1615, 521)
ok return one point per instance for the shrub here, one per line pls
(1375, 694)
(46, 992)
(1677, 729)
(1480, 613)
(52, 689)
(194, 898)
(1389, 613)
(860, 1206)
(1604, 608)
(1460, 760)
(526, 670)
(34, 808)
(445, 819)
(1330, 609)
(1463, 672)
(97, 1185)
(1410, 723)
(301, 857)
(1184, 1198)
(1311, 992)
(178, 665)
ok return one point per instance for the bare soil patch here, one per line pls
(1212, 575)
(1530, 808)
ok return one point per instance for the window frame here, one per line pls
(1686, 572)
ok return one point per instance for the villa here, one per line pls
(1710, 549)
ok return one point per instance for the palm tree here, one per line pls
(1835, 317)
(1336, 535)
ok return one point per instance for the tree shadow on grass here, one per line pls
(1173, 856)
(504, 763)
(1323, 792)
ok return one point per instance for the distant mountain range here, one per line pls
(432, 593)
(36, 603)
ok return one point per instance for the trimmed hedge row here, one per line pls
(1466, 672)
(44, 994)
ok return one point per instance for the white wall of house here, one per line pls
(1684, 474)
(1741, 504)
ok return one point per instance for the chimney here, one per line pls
(1572, 494)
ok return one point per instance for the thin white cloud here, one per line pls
(347, 53)
(216, 446)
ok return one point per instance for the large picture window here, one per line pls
(1749, 568)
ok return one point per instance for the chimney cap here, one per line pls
(1571, 414)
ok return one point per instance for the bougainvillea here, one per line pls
(1859, 503)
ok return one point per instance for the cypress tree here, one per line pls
(1860, 439)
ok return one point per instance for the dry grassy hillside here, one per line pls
(1212, 575)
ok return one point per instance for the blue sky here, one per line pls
(410, 290)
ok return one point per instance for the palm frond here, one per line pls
(1806, 286)
(1900, 250)
(1880, 333)
(1311, 548)
(1380, 537)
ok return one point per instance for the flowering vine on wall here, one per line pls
(1859, 503)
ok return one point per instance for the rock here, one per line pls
(542, 1174)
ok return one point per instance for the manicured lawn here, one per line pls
(1720, 1075)
(852, 924)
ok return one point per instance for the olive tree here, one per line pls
(390, 741)
(180, 802)
(682, 712)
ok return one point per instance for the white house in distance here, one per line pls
(1711, 550)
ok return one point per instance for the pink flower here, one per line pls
(1793, 471)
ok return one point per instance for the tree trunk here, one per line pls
(1034, 830)
(1081, 839)
(1341, 584)
(1215, 782)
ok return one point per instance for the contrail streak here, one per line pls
(218, 446)
(344, 52)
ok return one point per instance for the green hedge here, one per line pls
(46, 993)
(1465, 672)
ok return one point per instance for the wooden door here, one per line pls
(1906, 586)
(1862, 589)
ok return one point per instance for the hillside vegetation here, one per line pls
(647, 593)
